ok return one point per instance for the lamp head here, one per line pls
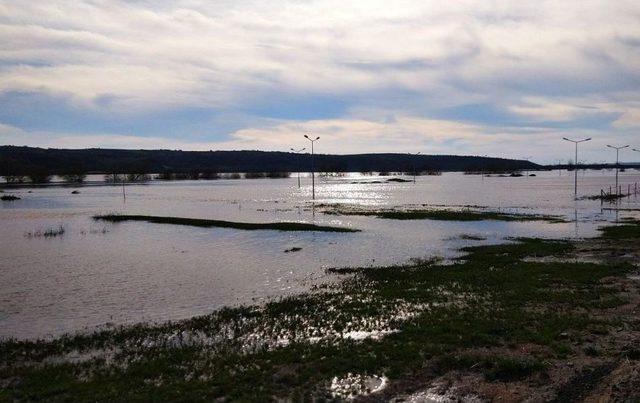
(307, 136)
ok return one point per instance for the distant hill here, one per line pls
(26, 160)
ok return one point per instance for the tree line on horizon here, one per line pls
(39, 165)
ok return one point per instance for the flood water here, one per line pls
(99, 273)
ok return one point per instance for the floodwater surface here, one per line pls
(99, 274)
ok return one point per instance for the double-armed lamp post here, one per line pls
(617, 161)
(313, 176)
(298, 162)
(575, 180)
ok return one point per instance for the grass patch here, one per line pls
(422, 316)
(48, 233)
(629, 229)
(469, 237)
(446, 215)
(197, 222)
(399, 180)
(610, 197)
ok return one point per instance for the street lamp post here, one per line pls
(575, 180)
(617, 161)
(298, 162)
(313, 175)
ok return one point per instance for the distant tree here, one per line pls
(194, 174)
(39, 175)
(166, 174)
(75, 174)
(139, 177)
(181, 176)
(140, 171)
(14, 178)
(277, 175)
(113, 178)
(209, 174)
(74, 178)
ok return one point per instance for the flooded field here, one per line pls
(89, 273)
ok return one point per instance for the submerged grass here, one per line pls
(197, 222)
(624, 230)
(407, 322)
(445, 215)
(48, 233)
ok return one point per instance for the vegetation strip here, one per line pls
(444, 215)
(496, 317)
(197, 222)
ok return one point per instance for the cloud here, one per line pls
(542, 68)
(156, 55)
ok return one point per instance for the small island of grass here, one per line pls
(198, 222)
(444, 215)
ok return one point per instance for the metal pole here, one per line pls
(298, 162)
(617, 160)
(575, 176)
(575, 179)
(313, 176)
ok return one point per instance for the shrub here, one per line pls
(74, 178)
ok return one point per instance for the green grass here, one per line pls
(490, 298)
(197, 222)
(629, 229)
(447, 215)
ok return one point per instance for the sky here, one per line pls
(498, 78)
